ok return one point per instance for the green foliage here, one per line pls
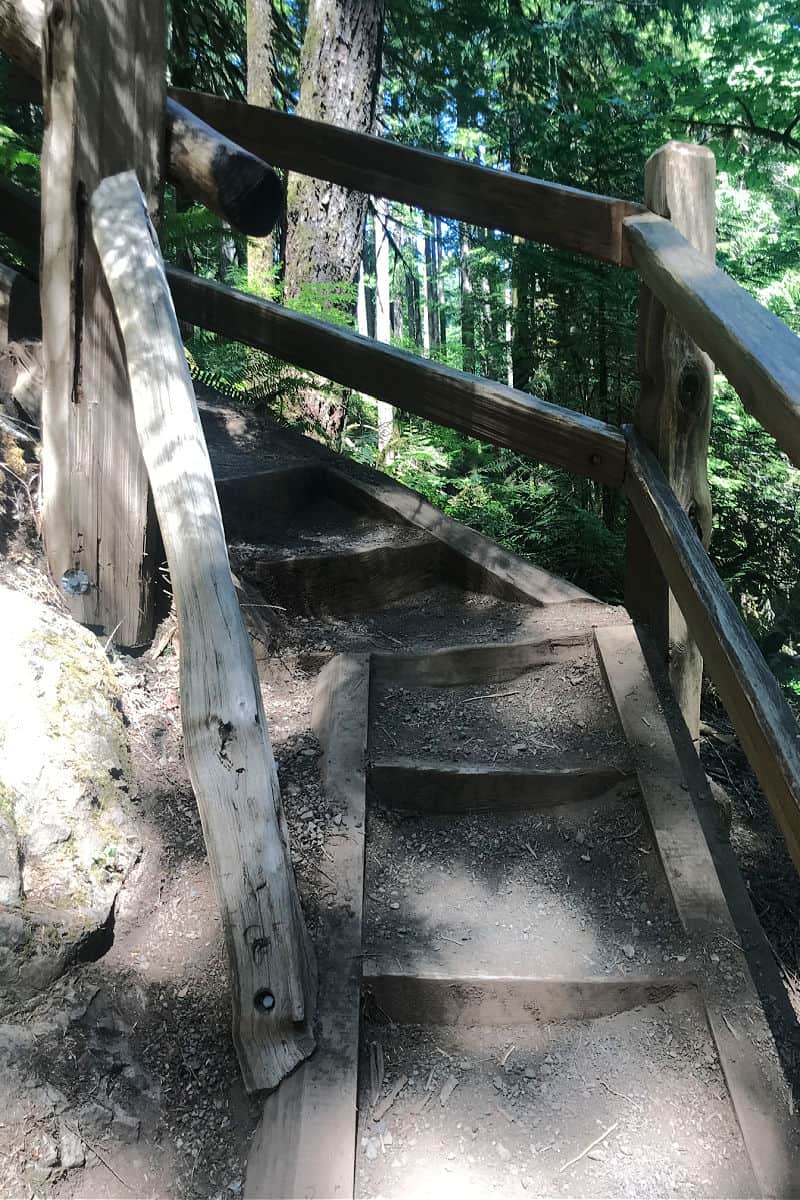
(756, 542)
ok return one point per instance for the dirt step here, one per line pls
(513, 1109)
(435, 787)
(535, 718)
(569, 892)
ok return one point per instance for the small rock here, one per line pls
(628, 950)
(93, 1119)
(586, 858)
(530, 1072)
(580, 837)
(503, 1152)
(597, 1154)
(45, 1151)
(125, 1127)
(499, 1083)
(387, 1138)
(72, 1151)
(371, 1149)
(235, 1187)
(624, 1148)
(394, 904)
(36, 1175)
(12, 928)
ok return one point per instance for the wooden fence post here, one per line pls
(674, 414)
(103, 81)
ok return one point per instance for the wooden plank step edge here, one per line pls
(437, 998)
(496, 662)
(350, 580)
(736, 1017)
(487, 566)
(468, 787)
(305, 1144)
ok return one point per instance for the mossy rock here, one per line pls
(65, 777)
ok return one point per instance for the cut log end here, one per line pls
(250, 193)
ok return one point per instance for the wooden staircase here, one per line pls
(528, 947)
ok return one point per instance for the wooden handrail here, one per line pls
(560, 216)
(758, 353)
(763, 720)
(479, 407)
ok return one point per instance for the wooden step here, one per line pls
(347, 581)
(434, 787)
(437, 998)
(458, 666)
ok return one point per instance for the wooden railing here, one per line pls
(759, 354)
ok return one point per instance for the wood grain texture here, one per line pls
(765, 725)
(226, 740)
(305, 1145)
(20, 315)
(456, 666)
(433, 998)
(476, 787)
(486, 566)
(20, 215)
(748, 1059)
(674, 413)
(104, 99)
(758, 353)
(478, 407)
(533, 208)
(209, 167)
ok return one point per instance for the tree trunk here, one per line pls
(260, 251)
(430, 288)
(104, 83)
(440, 302)
(467, 302)
(424, 297)
(383, 324)
(339, 73)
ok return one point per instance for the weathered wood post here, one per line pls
(674, 414)
(226, 739)
(103, 79)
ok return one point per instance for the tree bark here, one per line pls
(467, 302)
(339, 71)
(383, 324)
(103, 84)
(228, 749)
(260, 84)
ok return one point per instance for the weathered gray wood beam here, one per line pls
(767, 730)
(674, 414)
(758, 353)
(478, 407)
(104, 99)
(228, 749)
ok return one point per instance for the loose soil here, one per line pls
(134, 1050)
